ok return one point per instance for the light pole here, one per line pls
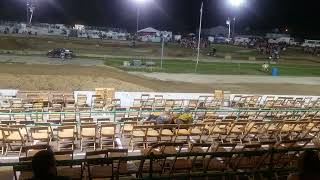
(138, 15)
(234, 26)
(229, 27)
(138, 2)
(162, 51)
(30, 10)
(199, 38)
(235, 4)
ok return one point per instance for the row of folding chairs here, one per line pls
(224, 131)
(168, 161)
(15, 137)
(241, 101)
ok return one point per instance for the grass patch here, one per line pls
(187, 66)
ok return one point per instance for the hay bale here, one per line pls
(228, 57)
(252, 58)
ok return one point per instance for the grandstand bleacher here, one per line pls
(109, 134)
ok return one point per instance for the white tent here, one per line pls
(149, 30)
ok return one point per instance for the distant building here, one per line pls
(153, 35)
(216, 31)
(79, 27)
(276, 35)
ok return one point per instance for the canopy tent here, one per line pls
(149, 30)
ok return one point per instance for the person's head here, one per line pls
(309, 162)
(44, 165)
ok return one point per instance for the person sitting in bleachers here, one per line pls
(184, 118)
(308, 167)
(44, 166)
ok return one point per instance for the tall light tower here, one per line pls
(139, 3)
(235, 4)
(30, 4)
(199, 37)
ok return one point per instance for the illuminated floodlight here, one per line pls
(236, 3)
(140, 1)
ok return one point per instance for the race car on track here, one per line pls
(60, 53)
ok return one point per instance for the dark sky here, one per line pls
(300, 17)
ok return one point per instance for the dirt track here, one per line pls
(75, 77)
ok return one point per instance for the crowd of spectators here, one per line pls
(192, 43)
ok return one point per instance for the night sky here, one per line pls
(300, 17)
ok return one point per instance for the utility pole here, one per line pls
(199, 38)
(162, 51)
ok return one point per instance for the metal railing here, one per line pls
(114, 113)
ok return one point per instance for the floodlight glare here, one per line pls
(140, 1)
(236, 3)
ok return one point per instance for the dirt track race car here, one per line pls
(60, 53)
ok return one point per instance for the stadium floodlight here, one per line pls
(236, 3)
(139, 2)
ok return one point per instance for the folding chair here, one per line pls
(116, 103)
(5, 117)
(292, 129)
(152, 134)
(134, 112)
(218, 131)
(167, 131)
(41, 133)
(138, 136)
(168, 104)
(120, 113)
(23, 130)
(197, 130)
(271, 129)
(144, 98)
(54, 117)
(127, 127)
(81, 100)
(70, 115)
(84, 112)
(18, 117)
(214, 163)
(2, 141)
(88, 135)
(186, 164)
(68, 169)
(96, 168)
(149, 103)
(247, 161)
(69, 100)
(312, 129)
(107, 134)
(98, 103)
(167, 164)
(66, 136)
(282, 159)
(123, 167)
(158, 101)
(75, 125)
(236, 132)
(183, 131)
(86, 120)
(253, 131)
(13, 138)
(33, 149)
(137, 103)
(36, 115)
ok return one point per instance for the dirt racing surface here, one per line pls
(75, 77)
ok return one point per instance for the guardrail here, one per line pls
(237, 112)
(267, 170)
